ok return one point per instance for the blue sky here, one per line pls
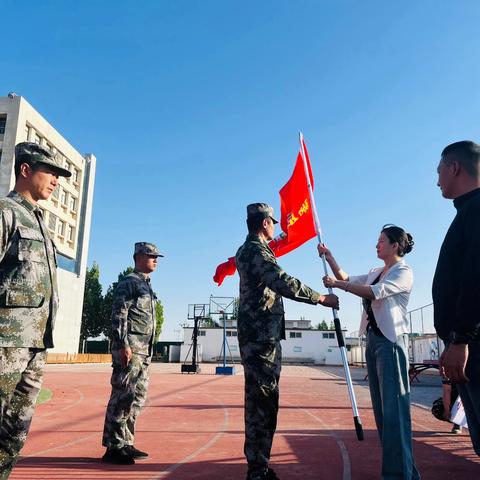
(193, 110)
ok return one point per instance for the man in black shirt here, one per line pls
(456, 284)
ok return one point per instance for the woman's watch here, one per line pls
(458, 338)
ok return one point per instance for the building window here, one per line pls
(231, 333)
(324, 335)
(297, 349)
(75, 173)
(331, 335)
(70, 233)
(36, 138)
(63, 197)
(52, 222)
(27, 131)
(56, 193)
(72, 204)
(201, 333)
(61, 228)
(295, 334)
(3, 122)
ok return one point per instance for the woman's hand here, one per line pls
(323, 250)
(329, 282)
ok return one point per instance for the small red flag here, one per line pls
(296, 218)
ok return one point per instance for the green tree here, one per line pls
(332, 326)
(209, 322)
(108, 300)
(158, 319)
(322, 325)
(236, 304)
(93, 318)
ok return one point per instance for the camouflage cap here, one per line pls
(147, 248)
(263, 209)
(32, 152)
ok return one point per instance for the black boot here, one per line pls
(135, 452)
(118, 456)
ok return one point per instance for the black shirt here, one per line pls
(456, 284)
(367, 305)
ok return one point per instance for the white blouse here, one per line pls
(391, 299)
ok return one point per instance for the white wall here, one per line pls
(311, 345)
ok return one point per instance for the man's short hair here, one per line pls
(467, 153)
(33, 165)
(255, 223)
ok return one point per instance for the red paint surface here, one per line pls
(192, 427)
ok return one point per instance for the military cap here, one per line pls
(262, 209)
(32, 152)
(147, 248)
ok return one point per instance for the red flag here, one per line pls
(296, 218)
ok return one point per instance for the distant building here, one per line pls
(303, 344)
(67, 213)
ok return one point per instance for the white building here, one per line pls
(67, 213)
(302, 345)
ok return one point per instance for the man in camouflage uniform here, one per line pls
(133, 328)
(261, 326)
(28, 295)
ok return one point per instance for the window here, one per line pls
(324, 335)
(27, 132)
(231, 333)
(63, 197)
(75, 175)
(70, 233)
(295, 334)
(73, 203)
(56, 193)
(297, 349)
(331, 335)
(36, 138)
(3, 122)
(52, 222)
(201, 333)
(61, 228)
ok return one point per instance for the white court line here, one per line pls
(347, 468)
(66, 407)
(200, 450)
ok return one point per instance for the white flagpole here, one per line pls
(336, 320)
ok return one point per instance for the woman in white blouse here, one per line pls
(385, 292)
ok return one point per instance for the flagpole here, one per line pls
(336, 320)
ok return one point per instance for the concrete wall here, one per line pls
(71, 281)
(310, 346)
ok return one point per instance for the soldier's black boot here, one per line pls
(267, 474)
(271, 475)
(135, 452)
(118, 456)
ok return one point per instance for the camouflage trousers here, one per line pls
(129, 392)
(262, 364)
(21, 374)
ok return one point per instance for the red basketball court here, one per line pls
(192, 426)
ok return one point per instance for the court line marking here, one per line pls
(347, 467)
(206, 446)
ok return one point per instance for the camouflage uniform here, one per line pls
(133, 325)
(261, 326)
(28, 304)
